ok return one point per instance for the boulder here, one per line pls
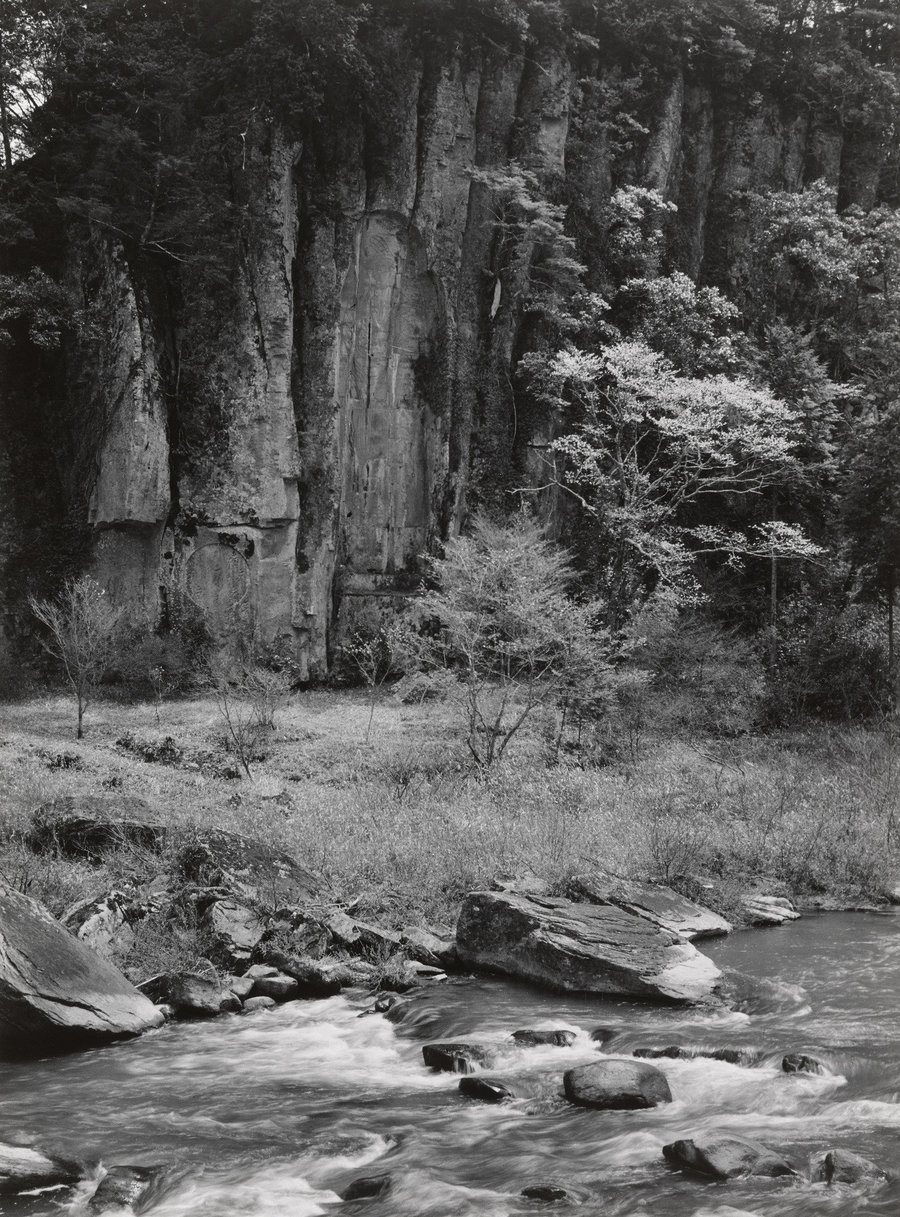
(240, 986)
(427, 946)
(488, 1090)
(188, 993)
(122, 1187)
(55, 992)
(531, 1039)
(314, 979)
(367, 1187)
(22, 1169)
(456, 1058)
(253, 1004)
(581, 948)
(279, 987)
(663, 906)
(799, 1062)
(235, 929)
(91, 826)
(842, 1166)
(246, 869)
(726, 1158)
(767, 910)
(549, 1193)
(620, 1085)
(104, 923)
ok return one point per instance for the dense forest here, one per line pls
(293, 291)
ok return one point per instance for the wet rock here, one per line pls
(732, 1056)
(603, 1035)
(488, 1090)
(367, 1187)
(55, 992)
(456, 1058)
(661, 905)
(258, 1003)
(314, 979)
(799, 1062)
(91, 826)
(842, 1166)
(427, 946)
(549, 1193)
(581, 948)
(758, 995)
(621, 1085)
(188, 993)
(531, 1039)
(22, 1169)
(767, 910)
(104, 923)
(278, 987)
(726, 1158)
(122, 1187)
(235, 929)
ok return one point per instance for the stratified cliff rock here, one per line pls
(283, 467)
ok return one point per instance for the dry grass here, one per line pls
(403, 824)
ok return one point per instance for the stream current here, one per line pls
(272, 1115)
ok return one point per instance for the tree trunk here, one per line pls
(4, 115)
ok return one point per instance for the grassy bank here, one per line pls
(400, 822)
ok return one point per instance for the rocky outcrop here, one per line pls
(616, 1085)
(726, 1158)
(661, 905)
(581, 948)
(55, 993)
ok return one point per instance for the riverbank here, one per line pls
(382, 806)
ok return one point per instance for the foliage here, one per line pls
(80, 627)
(500, 617)
(248, 697)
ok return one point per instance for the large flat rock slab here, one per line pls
(581, 948)
(653, 901)
(55, 992)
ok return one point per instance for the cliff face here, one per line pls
(361, 375)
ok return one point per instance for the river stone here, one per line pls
(91, 826)
(531, 1039)
(427, 946)
(122, 1187)
(621, 1085)
(258, 1003)
(240, 986)
(727, 1158)
(456, 1058)
(22, 1169)
(367, 1187)
(799, 1062)
(104, 923)
(488, 1090)
(279, 987)
(768, 910)
(842, 1166)
(235, 929)
(55, 992)
(581, 948)
(661, 905)
(548, 1192)
(188, 993)
(731, 1056)
(314, 979)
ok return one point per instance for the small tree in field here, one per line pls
(500, 616)
(81, 627)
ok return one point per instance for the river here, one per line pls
(272, 1115)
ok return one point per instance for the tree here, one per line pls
(81, 626)
(649, 449)
(500, 616)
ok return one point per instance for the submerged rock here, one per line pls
(550, 1193)
(122, 1187)
(727, 1158)
(799, 1062)
(488, 1090)
(531, 1039)
(367, 1187)
(842, 1166)
(661, 905)
(22, 1169)
(581, 948)
(620, 1085)
(456, 1058)
(732, 1056)
(55, 992)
